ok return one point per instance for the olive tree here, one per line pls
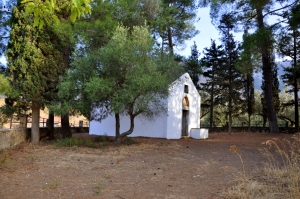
(125, 77)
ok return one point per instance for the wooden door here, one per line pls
(184, 131)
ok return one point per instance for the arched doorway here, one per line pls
(185, 113)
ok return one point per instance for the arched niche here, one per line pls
(185, 103)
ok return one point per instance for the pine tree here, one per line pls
(229, 77)
(175, 23)
(193, 66)
(253, 13)
(210, 62)
(289, 45)
(246, 66)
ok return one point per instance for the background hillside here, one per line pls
(258, 76)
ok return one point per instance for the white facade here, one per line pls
(183, 112)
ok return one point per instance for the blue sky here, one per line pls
(207, 32)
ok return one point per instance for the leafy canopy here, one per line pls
(4, 85)
(127, 74)
(45, 10)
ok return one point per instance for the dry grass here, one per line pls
(279, 178)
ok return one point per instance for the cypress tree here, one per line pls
(33, 64)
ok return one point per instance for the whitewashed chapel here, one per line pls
(181, 119)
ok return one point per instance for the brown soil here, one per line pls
(153, 168)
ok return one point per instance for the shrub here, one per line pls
(103, 138)
(74, 142)
(66, 142)
(279, 178)
(87, 142)
(129, 141)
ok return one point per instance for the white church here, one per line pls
(181, 119)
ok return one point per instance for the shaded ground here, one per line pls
(153, 168)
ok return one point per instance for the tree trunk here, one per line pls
(11, 119)
(117, 117)
(229, 116)
(249, 122)
(296, 105)
(119, 139)
(264, 121)
(50, 126)
(35, 125)
(230, 93)
(65, 126)
(249, 98)
(211, 110)
(296, 85)
(267, 75)
(170, 41)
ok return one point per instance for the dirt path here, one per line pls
(153, 168)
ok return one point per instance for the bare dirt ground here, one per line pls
(152, 168)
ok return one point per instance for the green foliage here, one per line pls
(126, 76)
(287, 108)
(52, 185)
(129, 141)
(275, 89)
(247, 64)
(193, 66)
(33, 59)
(4, 159)
(45, 12)
(74, 142)
(87, 142)
(6, 162)
(212, 58)
(66, 142)
(253, 14)
(295, 17)
(229, 77)
(136, 12)
(175, 23)
(31, 158)
(131, 73)
(34, 65)
(289, 45)
(96, 29)
(224, 81)
(103, 138)
(4, 85)
(127, 70)
(98, 189)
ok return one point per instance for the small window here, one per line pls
(186, 89)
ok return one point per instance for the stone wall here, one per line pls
(290, 130)
(12, 137)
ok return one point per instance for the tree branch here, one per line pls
(295, 2)
(3, 37)
(5, 10)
